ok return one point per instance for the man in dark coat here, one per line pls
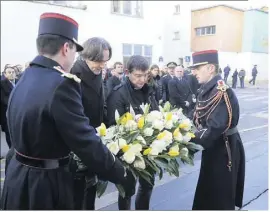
(165, 79)
(96, 52)
(7, 85)
(179, 91)
(222, 174)
(46, 122)
(234, 78)
(227, 70)
(116, 78)
(135, 92)
(254, 75)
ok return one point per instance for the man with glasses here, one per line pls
(116, 78)
(135, 92)
(97, 51)
(165, 80)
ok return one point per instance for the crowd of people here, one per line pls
(54, 108)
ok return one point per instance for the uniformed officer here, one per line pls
(221, 181)
(165, 79)
(135, 92)
(46, 122)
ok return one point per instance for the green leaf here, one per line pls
(121, 190)
(151, 164)
(145, 175)
(101, 188)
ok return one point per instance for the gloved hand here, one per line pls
(187, 103)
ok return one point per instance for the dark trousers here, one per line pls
(234, 83)
(226, 77)
(242, 80)
(84, 194)
(8, 138)
(253, 80)
(143, 197)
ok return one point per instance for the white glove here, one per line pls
(187, 103)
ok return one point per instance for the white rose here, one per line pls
(148, 131)
(184, 152)
(113, 147)
(168, 137)
(169, 124)
(175, 148)
(135, 148)
(175, 117)
(129, 157)
(179, 137)
(158, 146)
(122, 142)
(187, 123)
(131, 125)
(154, 151)
(139, 163)
(154, 115)
(158, 124)
(186, 137)
(141, 139)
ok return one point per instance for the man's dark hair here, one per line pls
(93, 49)
(51, 44)
(154, 67)
(117, 63)
(137, 62)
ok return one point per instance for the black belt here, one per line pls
(42, 163)
(231, 131)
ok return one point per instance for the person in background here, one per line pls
(254, 75)
(222, 174)
(242, 75)
(227, 70)
(97, 51)
(7, 85)
(165, 80)
(134, 91)
(154, 81)
(234, 78)
(116, 78)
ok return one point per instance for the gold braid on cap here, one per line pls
(213, 103)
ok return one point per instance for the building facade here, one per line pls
(240, 36)
(131, 27)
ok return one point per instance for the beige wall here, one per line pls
(229, 28)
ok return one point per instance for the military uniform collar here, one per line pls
(45, 62)
(212, 83)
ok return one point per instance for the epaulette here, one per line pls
(222, 86)
(117, 87)
(67, 75)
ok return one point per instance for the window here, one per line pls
(177, 9)
(127, 49)
(148, 51)
(138, 49)
(209, 30)
(176, 36)
(127, 7)
(116, 6)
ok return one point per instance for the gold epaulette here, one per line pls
(68, 75)
(222, 86)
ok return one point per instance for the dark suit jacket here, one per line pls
(6, 88)
(92, 92)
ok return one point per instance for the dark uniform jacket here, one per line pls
(165, 90)
(92, 92)
(218, 188)
(179, 92)
(6, 88)
(46, 121)
(125, 95)
(111, 83)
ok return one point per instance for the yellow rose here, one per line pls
(147, 151)
(125, 118)
(173, 153)
(169, 117)
(192, 135)
(125, 148)
(161, 135)
(141, 123)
